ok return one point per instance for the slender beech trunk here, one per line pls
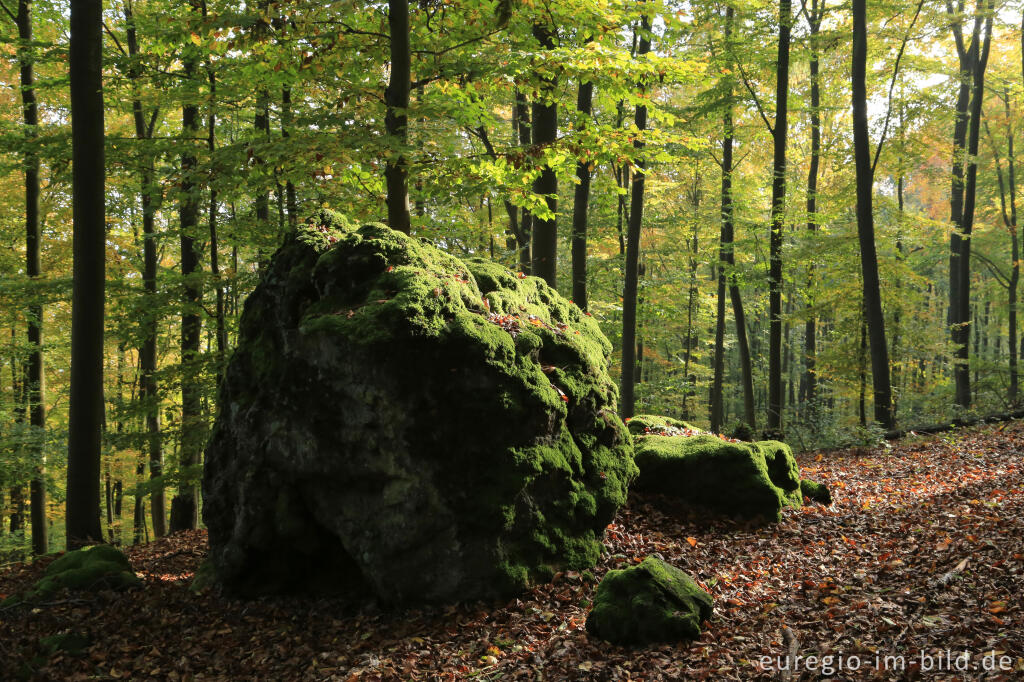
(811, 323)
(581, 203)
(85, 411)
(524, 131)
(211, 146)
(149, 389)
(636, 210)
(779, 134)
(33, 266)
(873, 315)
(396, 172)
(545, 132)
(291, 197)
(185, 505)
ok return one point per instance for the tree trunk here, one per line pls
(521, 123)
(85, 411)
(810, 325)
(148, 389)
(779, 134)
(396, 173)
(33, 267)
(873, 315)
(581, 203)
(185, 506)
(636, 210)
(545, 132)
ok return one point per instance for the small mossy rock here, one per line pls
(401, 424)
(653, 423)
(744, 480)
(651, 602)
(93, 568)
(70, 643)
(817, 492)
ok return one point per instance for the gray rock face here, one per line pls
(399, 423)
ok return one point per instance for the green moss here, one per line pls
(645, 423)
(71, 643)
(817, 492)
(88, 569)
(449, 398)
(747, 480)
(651, 602)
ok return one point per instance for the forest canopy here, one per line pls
(789, 219)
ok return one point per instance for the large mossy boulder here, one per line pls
(744, 480)
(651, 602)
(93, 568)
(401, 423)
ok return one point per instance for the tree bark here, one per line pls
(521, 124)
(36, 381)
(185, 505)
(581, 204)
(629, 297)
(873, 314)
(148, 385)
(545, 132)
(810, 325)
(85, 412)
(779, 134)
(396, 173)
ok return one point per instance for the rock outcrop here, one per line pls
(401, 423)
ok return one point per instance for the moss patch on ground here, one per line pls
(817, 492)
(97, 567)
(745, 480)
(651, 602)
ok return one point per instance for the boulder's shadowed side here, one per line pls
(401, 423)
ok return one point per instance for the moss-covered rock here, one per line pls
(643, 424)
(745, 480)
(401, 423)
(651, 602)
(97, 567)
(817, 492)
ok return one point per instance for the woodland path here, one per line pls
(922, 551)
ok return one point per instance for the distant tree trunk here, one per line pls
(33, 267)
(219, 312)
(779, 134)
(873, 314)
(521, 124)
(85, 412)
(396, 173)
(148, 388)
(185, 506)
(1008, 198)
(291, 198)
(545, 132)
(636, 210)
(581, 203)
(810, 325)
(973, 60)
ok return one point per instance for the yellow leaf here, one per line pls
(196, 39)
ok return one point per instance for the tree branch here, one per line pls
(892, 84)
(114, 38)
(757, 102)
(13, 17)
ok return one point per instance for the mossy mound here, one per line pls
(745, 480)
(651, 602)
(98, 567)
(643, 424)
(817, 492)
(401, 423)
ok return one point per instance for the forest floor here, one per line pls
(919, 559)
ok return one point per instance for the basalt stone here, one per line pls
(401, 424)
